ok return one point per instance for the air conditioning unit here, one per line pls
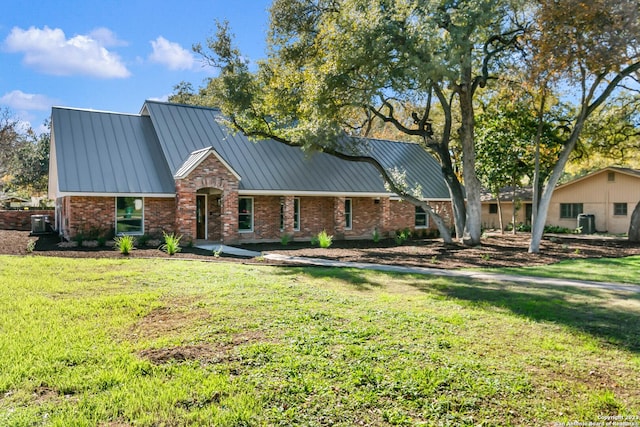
(40, 224)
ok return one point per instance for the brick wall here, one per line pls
(209, 174)
(21, 219)
(90, 215)
(159, 216)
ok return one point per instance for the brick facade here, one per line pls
(217, 218)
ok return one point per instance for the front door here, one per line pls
(201, 216)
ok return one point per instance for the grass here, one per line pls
(159, 342)
(620, 270)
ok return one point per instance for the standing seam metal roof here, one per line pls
(101, 152)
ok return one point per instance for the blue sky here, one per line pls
(112, 55)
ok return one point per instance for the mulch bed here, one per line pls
(496, 250)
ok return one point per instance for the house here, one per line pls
(178, 168)
(610, 194)
(521, 199)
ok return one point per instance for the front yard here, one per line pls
(120, 342)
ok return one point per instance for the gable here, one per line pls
(106, 153)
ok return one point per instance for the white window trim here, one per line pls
(253, 210)
(426, 220)
(296, 212)
(115, 226)
(349, 226)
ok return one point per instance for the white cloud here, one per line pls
(106, 37)
(163, 98)
(171, 54)
(50, 52)
(19, 100)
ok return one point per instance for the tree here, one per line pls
(634, 225)
(30, 164)
(9, 139)
(330, 61)
(505, 144)
(590, 47)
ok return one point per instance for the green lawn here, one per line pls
(621, 270)
(167, 342)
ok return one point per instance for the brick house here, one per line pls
(178, 168)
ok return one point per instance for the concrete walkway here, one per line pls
(475, 275)
(224, 249)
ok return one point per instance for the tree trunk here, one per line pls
(634, 226)
(456, 192)
(537, 228)
(473, 223)
(500, 222)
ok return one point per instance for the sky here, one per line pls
(112, 55)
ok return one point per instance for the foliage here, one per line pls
(171, 243)
(401, 236)
(31, 245)
(376, 235)
(359, 347)
(124, 244)
(324, 240)
(285, 239)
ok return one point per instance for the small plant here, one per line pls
(402, 236)
(315, 241)
(285, 239)
(485, 257)
(376, 235)
(434, 260)
(217, 252)
(171, 243)
(31, 245)
(324, 240)
(124, 244)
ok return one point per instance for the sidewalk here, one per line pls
(475, 275)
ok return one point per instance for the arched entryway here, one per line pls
(209, 214)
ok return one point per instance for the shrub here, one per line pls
(402, 235)
(31, 245)
(376, 235)
(285, 239)
(171, 243)
(324, 240)
(124, 244)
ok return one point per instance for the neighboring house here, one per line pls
(522, 198)
(610, 194)
(177, 168)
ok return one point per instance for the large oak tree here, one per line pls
(332, 60)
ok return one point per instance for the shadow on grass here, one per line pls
(611, 317)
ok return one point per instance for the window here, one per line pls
(493, 208)
(129, 215)
(347, 214)
(421, 220)
(296, 214)
(281, 215)
(611, 176)
(245, 214)
(620, 209)
(570, 210)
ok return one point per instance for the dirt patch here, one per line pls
(203, 353)
(496, 250)
(165, 321)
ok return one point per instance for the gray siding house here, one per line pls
(178, 168)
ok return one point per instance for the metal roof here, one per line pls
(102, 152)
(99, 152)
(268, 165)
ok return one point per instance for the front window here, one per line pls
(245, 214)
(570, 210)
(421, 218)
(129, 215)
(296, 214)
(347, 214)
(493, 208)
(620, 209)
